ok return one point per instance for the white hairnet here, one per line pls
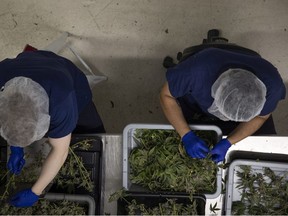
(238, 96)
(24, 112)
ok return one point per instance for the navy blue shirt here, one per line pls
(67, 87)
(194, 77)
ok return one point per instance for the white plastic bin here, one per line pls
(232, 192)
(129, 144)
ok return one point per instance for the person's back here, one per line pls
(240, 105)
(43, 93)
(67, 87)
(57, 75)
(196, 75)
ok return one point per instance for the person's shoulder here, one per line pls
(210, 53)
(6, 64)
(38, 54)
(5, 61)
(212, 50)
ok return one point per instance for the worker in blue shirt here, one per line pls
(43, 94)
(236, 91)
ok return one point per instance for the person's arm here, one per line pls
(173, 111)
(194, 146)
(53, 162)
(245, 129)
(50, 168)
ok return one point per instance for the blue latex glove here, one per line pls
(219, 150)
(16, 160)
(25, 198)
(194, 146)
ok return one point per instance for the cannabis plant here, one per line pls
(72, 175)
(160, 163)
(262, 192)
(46, 207)
(170, 206)
(43, 207)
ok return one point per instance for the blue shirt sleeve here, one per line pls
(180, 78)
(272, 98)
(270, 76)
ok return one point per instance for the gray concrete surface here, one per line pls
(127, 40)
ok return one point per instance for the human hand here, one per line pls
(219, 150)
(24, 198)
(16, 160)
(194, 146)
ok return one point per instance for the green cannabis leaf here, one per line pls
(214, 208)
(263, 192)
(167, 207)
(117, 195)
(45, 207)
(72, 175)
(160, 163)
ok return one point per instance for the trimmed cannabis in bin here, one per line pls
(71, 176)
(73, 173)
(262, 193)
(168, 207)
(45, 207)
(160, 163)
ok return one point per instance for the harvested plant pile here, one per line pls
(72, 175)
(160, 163)
(262, 193)
(168, 207)
(45, 207)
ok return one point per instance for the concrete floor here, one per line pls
(127, 40)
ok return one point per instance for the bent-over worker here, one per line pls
(234, 90)
(43, 94)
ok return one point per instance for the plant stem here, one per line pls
(5, 175)
(81, 166)
(7, 186)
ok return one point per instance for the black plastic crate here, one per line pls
(3, 160)
(3, 150)
(261, 156)
(129, 143)
(153, 200)
(92, 162)
(91, 159)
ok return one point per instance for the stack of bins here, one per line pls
(152, 198)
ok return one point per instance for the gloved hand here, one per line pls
(16, 160)
(219, 150)
(25, 198)
(194, 146)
